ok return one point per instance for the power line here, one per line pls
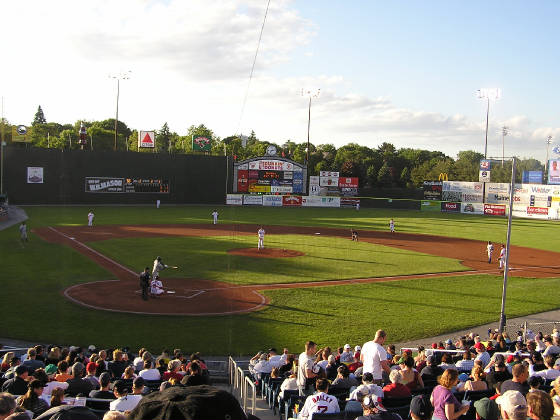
(252, 69)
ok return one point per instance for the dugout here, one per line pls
(52, 176)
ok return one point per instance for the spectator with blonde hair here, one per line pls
(539, 406)
(118, 365)
(555, 395)
(6, 361)
(477, 383)
(446, 406)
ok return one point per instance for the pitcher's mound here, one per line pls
(266, 252)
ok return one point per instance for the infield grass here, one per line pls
(326, 258)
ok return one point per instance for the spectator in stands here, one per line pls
(124, 401)
(555, 395)
(500, 373)
(552, 370)
(466, 363)
(289, 384)
(420, 359)
(261, 367)
(52, 383)
(391, 351)
(513, 405)
(32, 400)
(536, 363)
(320, 402)
(115, 415)
(164, 356)
(63, 374)
(477, 383)
(7, 405)
(501, 344)
(356, 364)
(421, 408)
(31, 363)
(487, 409)
(14, 363)
(149, 373)
(322, 359)
(449, 345)
(481, 353)
(431, 372)
(195, 357)
(173, 368)
(274, 358)
(396, 389)
(343, 380)
(551, 348)
(332, 368)
(447, 362)
(288, 367)
(139, 386)
(347, 356)
(539, 406)
(77, 385)
(410, 376)
(40, 353)
(18, 384)
(53, 357)
(195, 376)
(57, 397)
(518, 383)
(103, 393)
(535, 383)
(138, 361)
(118, 365)
(374, 357)
(129, 373)
(6, 361)
(306, 372)
(90, 375)
(369, 386)
(446, 406)
(374, 410)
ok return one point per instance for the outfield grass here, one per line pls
(34, 278)
(525, 232)
(326, 258)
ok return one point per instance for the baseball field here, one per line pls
(74, 284)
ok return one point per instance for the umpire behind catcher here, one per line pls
(145, 282)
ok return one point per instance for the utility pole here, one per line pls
(311, 94)
(119, 77)
(505, 132)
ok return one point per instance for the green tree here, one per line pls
(467, 165)
(385, 177)
(39, 117)
(163, 139)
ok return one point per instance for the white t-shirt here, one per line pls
(551, 350)
(305, 362)
(372, 389)
(125, 403)
(150, 374)
(373, 354)
(319, 403)
(275, 361)
(50, 386)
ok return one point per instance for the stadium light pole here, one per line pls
(119, 77)
(508, 241)
(311, 94)
(548, 143)
(488, 94)
(505, 132)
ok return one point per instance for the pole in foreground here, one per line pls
(311, 94)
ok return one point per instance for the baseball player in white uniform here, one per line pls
(215, 216)
(90, 217)
(156, 287)
(489, 250)
(320, 402)
(392, 226)
(502, 258)
(23, 232)
(260, 234)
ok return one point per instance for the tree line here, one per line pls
(382, 167)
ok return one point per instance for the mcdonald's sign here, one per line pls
(443, 177)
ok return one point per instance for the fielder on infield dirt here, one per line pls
(489, 251)
(260, 234)
(392, 226)
(502, 257)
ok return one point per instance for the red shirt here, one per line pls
(396, 391)
(168, 375)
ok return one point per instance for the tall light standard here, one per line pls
(488, 94)
(311, 94)
(505, 132)
(548, 143)
(119, 77)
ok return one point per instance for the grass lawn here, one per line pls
(326, 258)
(34, 278)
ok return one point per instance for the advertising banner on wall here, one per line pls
(272, 200)
(349, 202)
(234, 199)
(497, 192)
(281, 189)
(430, 205)
(201, 144)
(328, 181)
(252, 200)
(469, 197)
(291, 200)
(271, 165)
(472, 208)
(462, 186)
(484, 176)
(314, 190)
(349, 192)
(34, 175)
(345, 182)
(242, 180)
(314, 180)
(495, 209)
(257, 188)
(535, 212)
(311, 201)
(330, 201)
(146, 139)
(532, 177)
(451, 196)
(554, 172)
(432, 190)
(329, 174)
(448, 207)
(104, 185)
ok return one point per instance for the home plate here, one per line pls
(72, 238)
(171, 291)
(317, 233)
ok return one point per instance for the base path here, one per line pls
(206, 297)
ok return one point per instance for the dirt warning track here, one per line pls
(201, 297)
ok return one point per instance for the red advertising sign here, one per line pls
(242, 180)
(495, 209)
(450, 207)
(291, 201)
(537, 210)
(253, 174)
(348, 182)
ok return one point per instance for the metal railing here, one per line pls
(248, 383)
(240, 382)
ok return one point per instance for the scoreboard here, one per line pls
(146, 185)
(268, 175)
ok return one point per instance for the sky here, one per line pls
(402, 72)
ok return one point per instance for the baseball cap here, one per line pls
(91, 347)
(487, 409)
(512, 401)
(373, 401)
(357, 348)
(346, 346)
(193, 402)
(91, 366)
(420, 406)
(431, 358)
(51, 369)
(448, 341)
(479, 346)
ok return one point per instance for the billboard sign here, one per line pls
(314, 190)
(34, 175)
(103, 184)
(21, 134)
(311, 201)
(314, 180)
(146, 139)
(291, 200)
(484, 176)
(272, 200)
(242, 180)
(234, 199)
(485, 164)
(201, 144)
(432, 190)
(328, 181)
(430, 205)
(345, 182)
(472, 208)
(329, 174)
(349, 202)
(330, 201)
(495, 209)
(532, 177)
(252, 200)
(554, 172)
(447, 207)
(283, 189)
(270, 165)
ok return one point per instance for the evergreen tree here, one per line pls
(39, 117)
